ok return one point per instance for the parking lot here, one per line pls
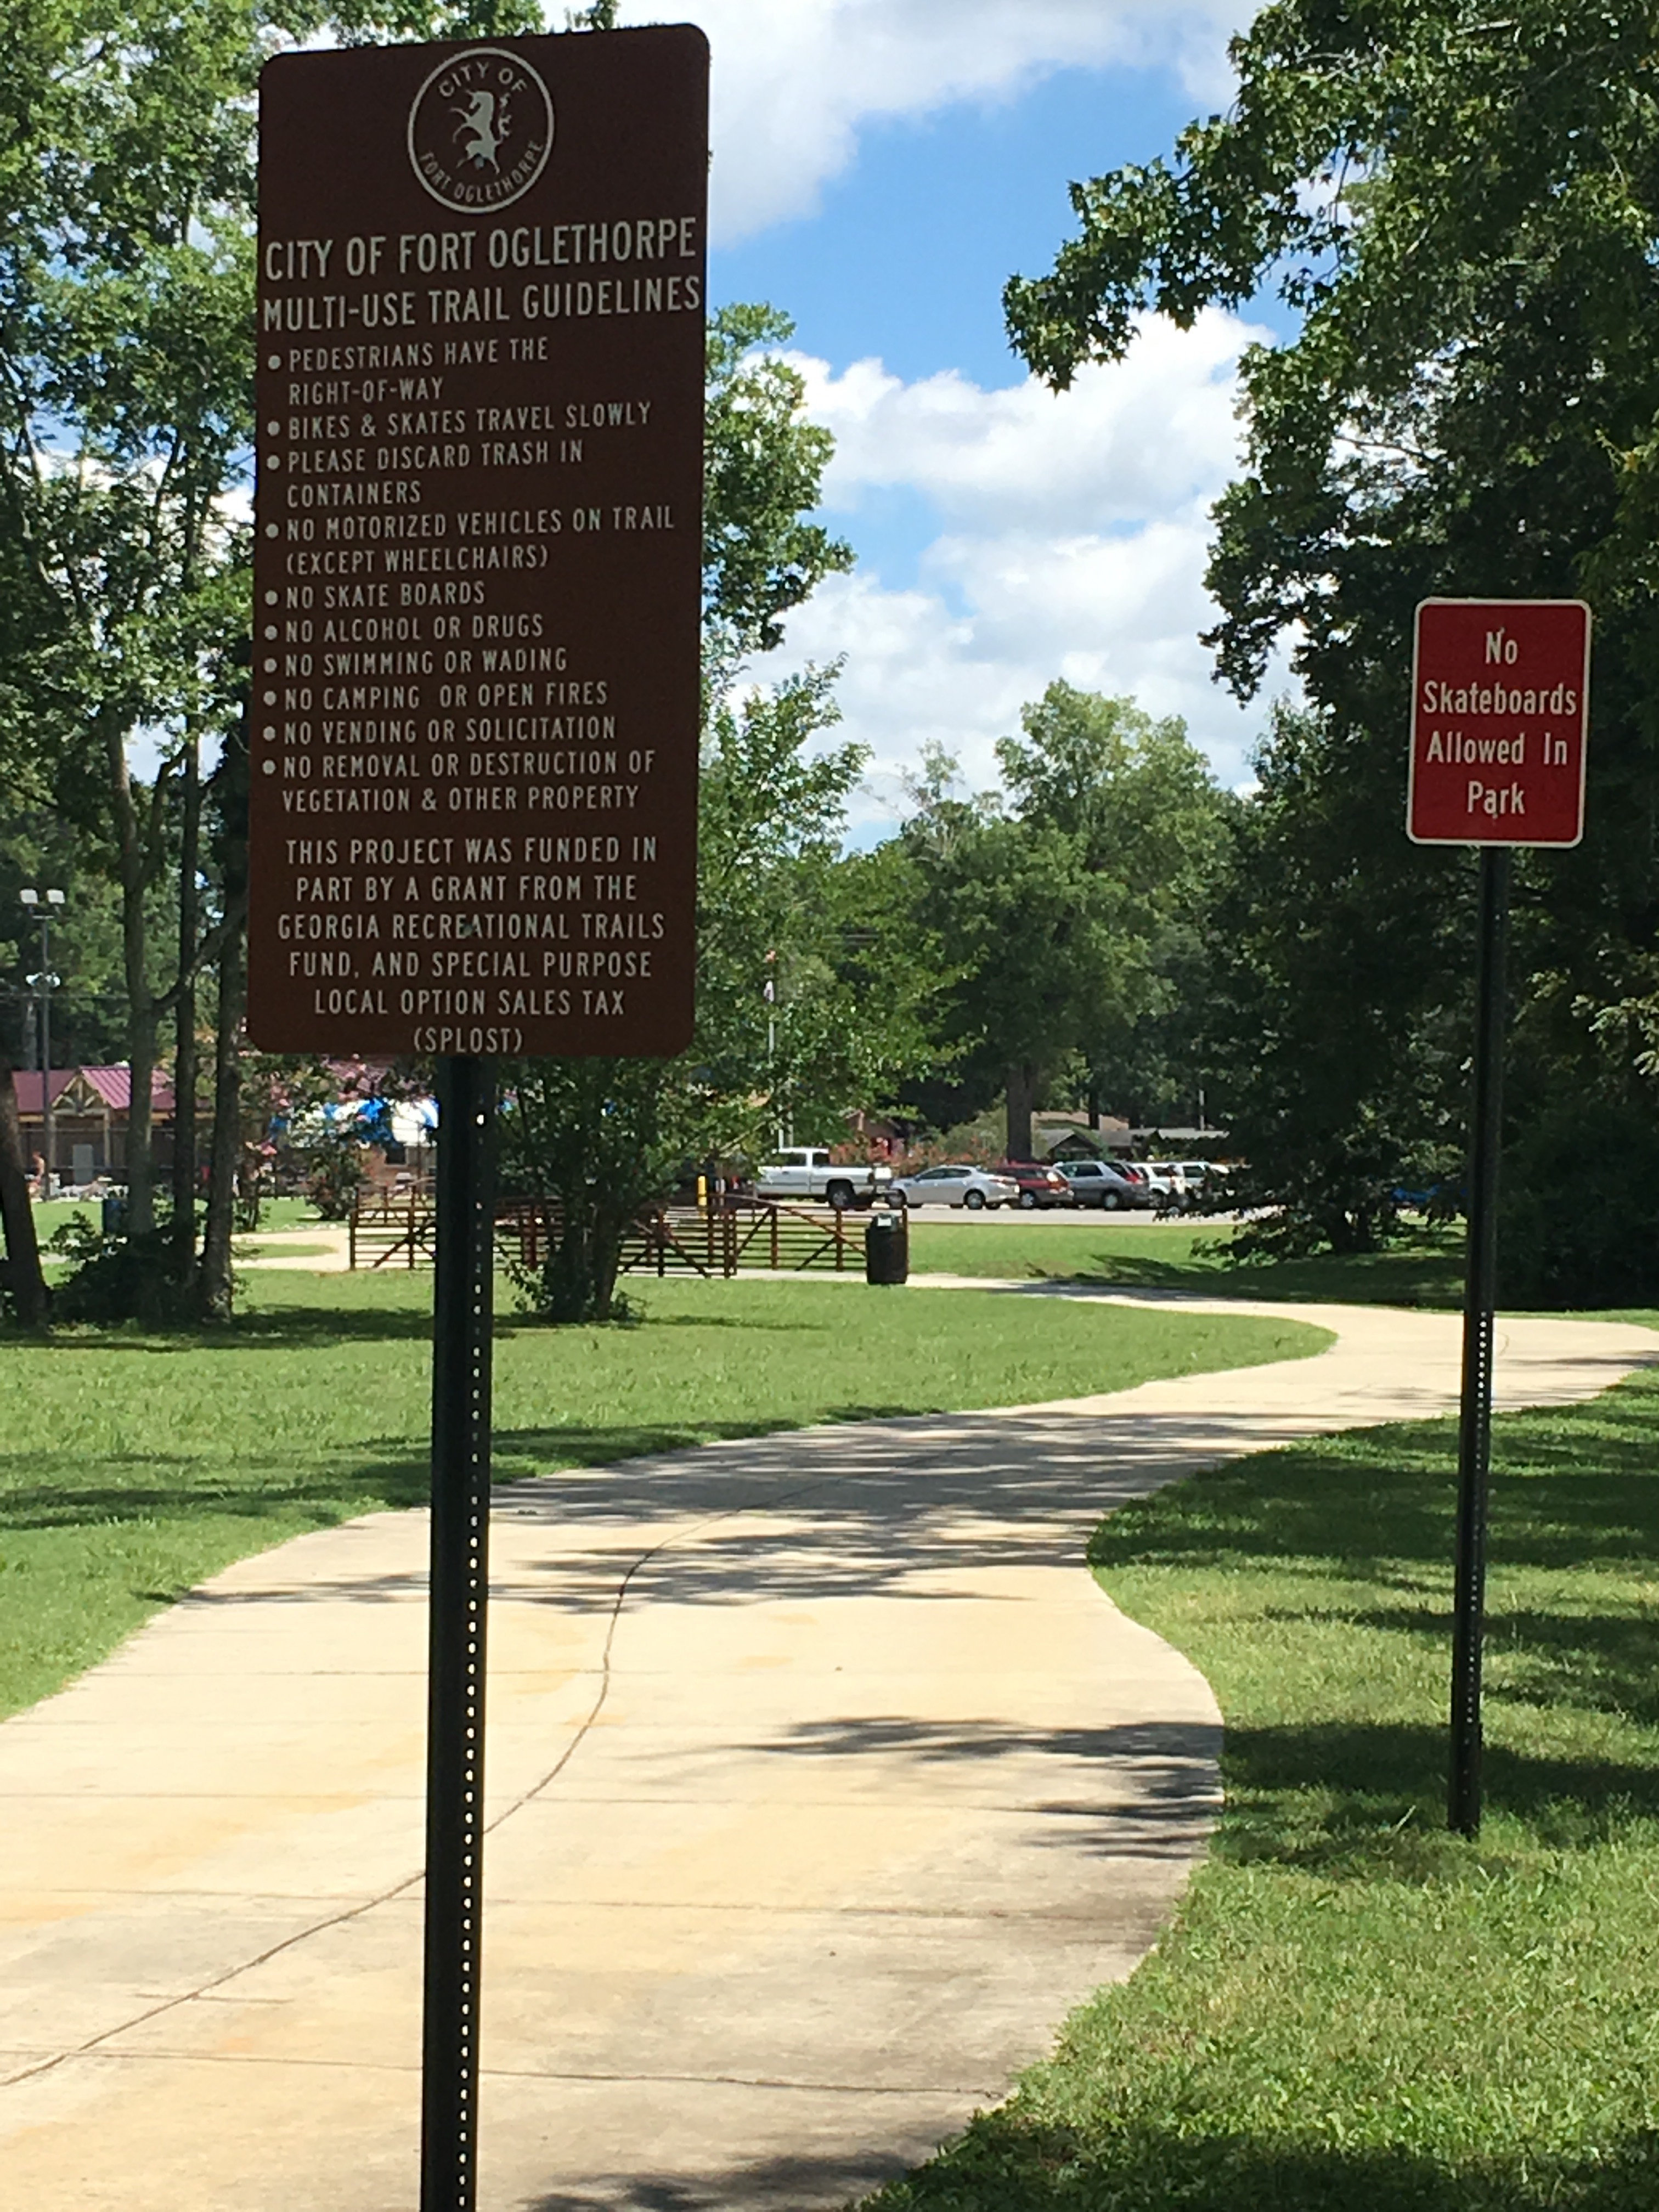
(1078, 1217)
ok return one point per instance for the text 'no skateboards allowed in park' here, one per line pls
(1500, 709)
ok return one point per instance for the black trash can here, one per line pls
(113, 1214)
(886, 1248)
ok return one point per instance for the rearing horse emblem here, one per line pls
(480, 129)
(483, 130)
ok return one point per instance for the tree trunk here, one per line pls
(184, 1053)
(141, 1058)
(1094, 1105)
(214, 1283)
(27, 1283)
(214, 1286)
(1022, 1103)
(136, 873)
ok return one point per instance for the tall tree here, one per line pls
(126, 279)
(1336, 1049)
(1461, 204)
(24, 1282)
(597, 1139)
(127, 187)
(1053, 904)
(594, 1139)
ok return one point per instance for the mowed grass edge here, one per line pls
(1422, 1267)
(1354, 2009)
(132, 1465)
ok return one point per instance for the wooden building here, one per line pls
(90, 1109)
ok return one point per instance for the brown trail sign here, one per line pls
(478, 532)
(476, 684)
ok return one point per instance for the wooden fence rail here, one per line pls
(681, 1240)
(394, 1228)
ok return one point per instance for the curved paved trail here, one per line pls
(824, 1782)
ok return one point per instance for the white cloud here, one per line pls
(1127, 439)
(1073, 533)
(795, 79)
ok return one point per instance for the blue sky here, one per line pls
(907, 255)
(881, 167)
(906, 259)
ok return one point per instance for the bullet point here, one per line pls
(270, 768)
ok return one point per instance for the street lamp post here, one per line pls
(771, 994)
(48, 903)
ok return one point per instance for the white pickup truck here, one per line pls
(808, 1172)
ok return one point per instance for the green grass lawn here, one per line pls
(130, 1465)
(1356, 2011)
(1423, 1269)
(56, 1213)
(277, 1213)
(289, 1213)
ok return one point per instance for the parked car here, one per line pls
(957, 1184)
(1039, 1183)
(1166, 1184)
(1202, 1183)
(1097, 1182)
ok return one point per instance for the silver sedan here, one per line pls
(957, 1185)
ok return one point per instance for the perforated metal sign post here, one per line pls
(459, 1617)
(1500, 713)
(478, 587)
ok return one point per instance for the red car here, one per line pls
(1038, 1185)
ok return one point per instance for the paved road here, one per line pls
(823, 1781)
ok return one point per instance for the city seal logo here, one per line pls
(480, 130)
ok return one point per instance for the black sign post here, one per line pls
(1480, 1305)
(460, 1610)
(1500, 720)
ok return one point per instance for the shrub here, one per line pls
(338, 1174)
(1579, 1207)
(120, 1278)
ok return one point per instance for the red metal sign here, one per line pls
(1500, 710)
(479, 550)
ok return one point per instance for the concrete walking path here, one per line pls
(824, 1781)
